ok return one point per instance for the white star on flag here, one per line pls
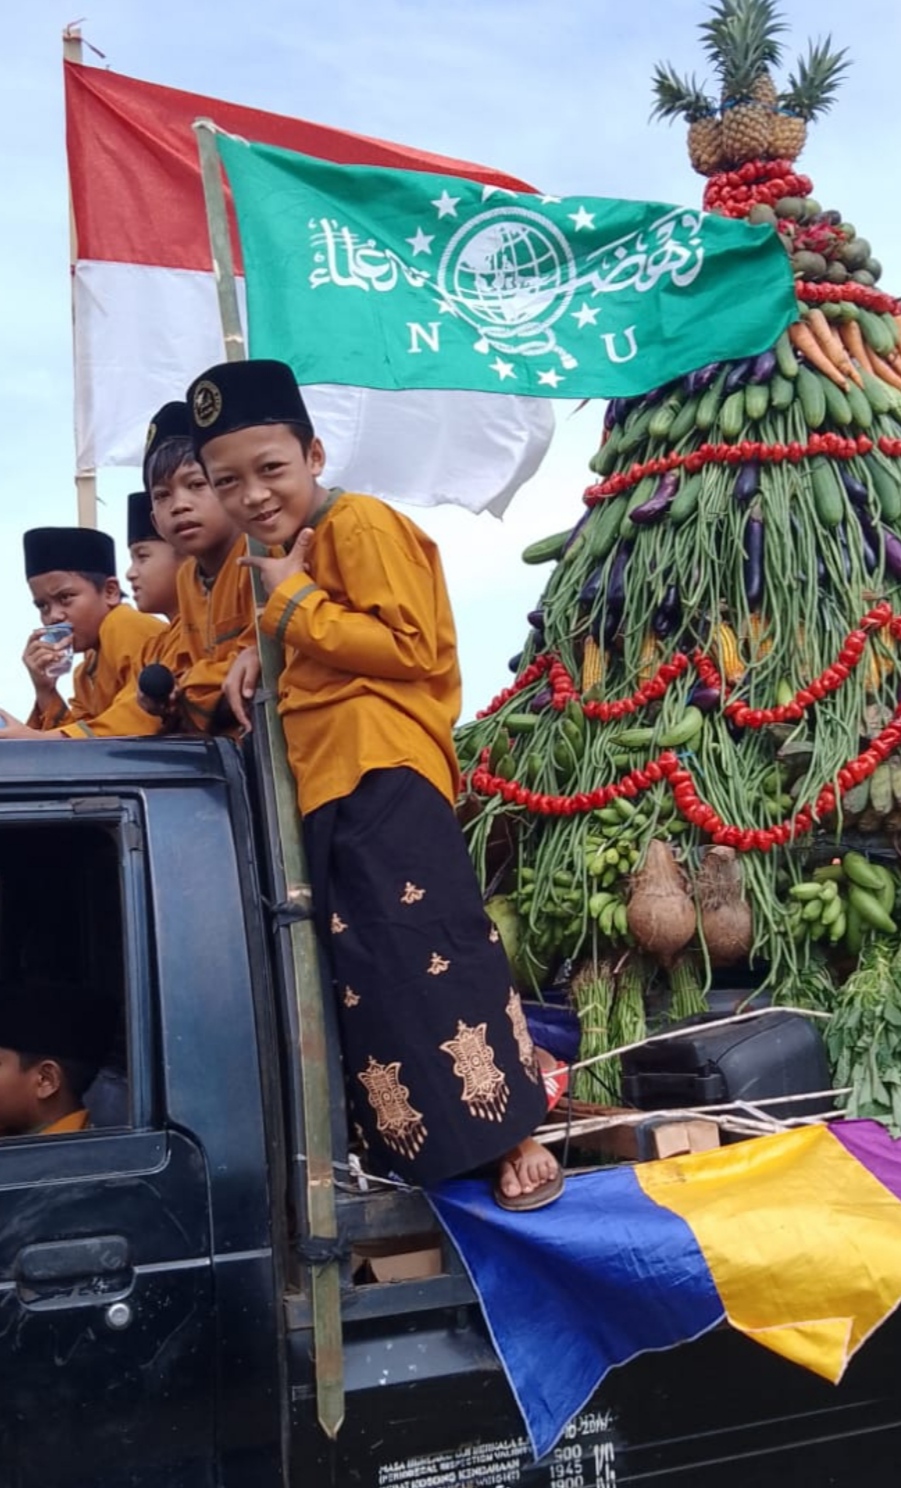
(446, 204)
(503, 369)
(550, 379)
(422, 243)
(546, 201)
(586, 315)
(581, 218)
(445, 307)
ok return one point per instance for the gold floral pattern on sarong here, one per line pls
(437, 965)
(526, 1047)
(400, 1125)
(494, 935)
(485, 1089)
(337, 925)
(351, 998)
(412, 893)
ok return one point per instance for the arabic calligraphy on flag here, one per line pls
(395, 279)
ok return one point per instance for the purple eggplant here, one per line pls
(858, 495)
(747, 482)
(541, 700)
(663, 496)
(668, 613)
(869, 539)
(656, 395)
(609, 416)
(514, 663)
(697, 381)
(753, 563)
(705, 698)
(535, 618)
(616, 591)
(617, 407)
(892, 547)
(590, 589)
(764, 367)
(739, 374)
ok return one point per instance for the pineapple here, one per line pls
(811, 91)
(741, 40)
(678, 97)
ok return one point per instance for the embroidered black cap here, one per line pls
(68, 550)
(140, 520)
(169, 422)
(241, 395)
(55, 1020)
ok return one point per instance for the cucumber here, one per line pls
(686, 500)
(786, 360)
(781, 392)
(547, 549)
(886, 487)
(603, 530)
(862, 872)
(891, 326)
(690, 724)
(732, 414)
(662, 418)
(837, 406)
(828, 492)
(881, 799)
(757, 401)
(876, 333)
(870, 910)
(635, 431)
(877, 393)
(813, 399)
(709, 404)
(603, 462)
(859, 404)
(685, 421)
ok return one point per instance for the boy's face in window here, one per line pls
(24, 1092)
(265, 482)
(68, 597)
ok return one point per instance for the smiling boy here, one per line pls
(71, 572)
(442, 1072)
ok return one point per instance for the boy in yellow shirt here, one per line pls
(442, 1072)
(53, 1039)
(71, 572)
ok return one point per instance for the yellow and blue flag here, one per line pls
(793, 1239)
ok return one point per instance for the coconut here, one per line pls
(660, 913)
(725, 914)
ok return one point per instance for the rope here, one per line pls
(656, 1038)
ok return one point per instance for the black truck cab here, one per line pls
(157, 1327)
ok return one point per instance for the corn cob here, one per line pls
(649, 660)
(592, 664)
(730, 663)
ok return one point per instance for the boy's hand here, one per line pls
(13, 729)
(37, 656)
(275, 571)
(241, 684)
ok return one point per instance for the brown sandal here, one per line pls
(539, 1198)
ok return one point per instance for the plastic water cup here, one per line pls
(54, 635)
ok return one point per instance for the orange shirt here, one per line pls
(75, 1121)
(106, 670)
(125, 717)
(371, 678)
(217, 621)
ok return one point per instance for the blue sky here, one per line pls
(557, 94)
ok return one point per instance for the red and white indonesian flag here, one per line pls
(147, 320)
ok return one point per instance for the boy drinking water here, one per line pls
(442, 1071)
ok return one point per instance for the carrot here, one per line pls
(803, 340)
(854, 343)
(829, 339)
(883, 370)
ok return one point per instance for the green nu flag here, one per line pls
(398, 279)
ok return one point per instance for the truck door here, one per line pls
(107, 1358)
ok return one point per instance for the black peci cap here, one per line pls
(140, 521)
(68, 550)
(169, 422)
(241, 395)
(55, 1020)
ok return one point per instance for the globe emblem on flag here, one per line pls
(509, 272)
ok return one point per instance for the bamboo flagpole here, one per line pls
(85, 480)
(320, 1192)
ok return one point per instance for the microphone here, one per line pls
(156, 682)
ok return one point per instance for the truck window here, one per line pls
(61, 921)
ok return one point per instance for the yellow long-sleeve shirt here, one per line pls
(125, 718)
(105, 670)
(371, 679)
(217, 621)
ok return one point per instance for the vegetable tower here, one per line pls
(705, 705)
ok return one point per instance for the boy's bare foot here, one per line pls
(528, 1172)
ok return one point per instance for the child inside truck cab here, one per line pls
(215, 602)
(442, 1072)
(53, 1039)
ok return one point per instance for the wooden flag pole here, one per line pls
(85, 480)
(325, 1278)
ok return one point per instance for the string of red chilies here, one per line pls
(668, 767)
(836, 446)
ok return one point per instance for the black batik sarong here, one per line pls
(440, 1068)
